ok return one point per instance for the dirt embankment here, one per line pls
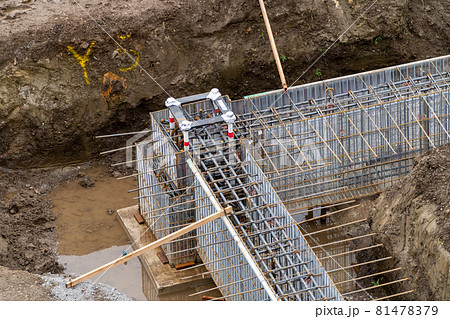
(27, 217)
(27, 236)
(63, 79)
(412, 221)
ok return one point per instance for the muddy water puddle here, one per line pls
(89, 237)
(83, 224)
(126, 278)
(88, 231)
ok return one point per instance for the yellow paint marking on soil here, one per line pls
(124, 36)
(82, 59)
(136, 61)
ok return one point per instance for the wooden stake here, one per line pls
(150, 246)
(272, 44)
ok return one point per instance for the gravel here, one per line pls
(85, 291)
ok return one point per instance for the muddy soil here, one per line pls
(63, 79)
(86, 216)
(27, 229)
(411, 220)
(27, 236)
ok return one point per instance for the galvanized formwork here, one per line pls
(348, 137)
(298, 264)
(222, 257)
(315, 144)
(164, 207)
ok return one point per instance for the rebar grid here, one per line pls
(319, 143)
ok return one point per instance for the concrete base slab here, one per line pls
(165, 279)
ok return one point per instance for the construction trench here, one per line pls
(331, 190)
(279, 161)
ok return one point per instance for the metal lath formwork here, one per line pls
(264, 226)
(164, 207)
(315, 144)
(348, 137)
(265, 229)
(228, 267)
(296, 262)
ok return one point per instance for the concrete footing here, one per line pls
(164, 278)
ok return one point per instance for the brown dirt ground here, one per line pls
(22, 286)
(27, 227)
(49, 113)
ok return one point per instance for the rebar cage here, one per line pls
(314, 145)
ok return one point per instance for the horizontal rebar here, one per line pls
(360, 264)
(368, 276)
(394, 295)
(296, 212)
(335, 227)
(328, 214)
(343, 241)
(351, 251)
(122, 134)
(375, 286)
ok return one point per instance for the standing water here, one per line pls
(89, 236)
(89, 233)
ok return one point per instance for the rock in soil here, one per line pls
(86, 181)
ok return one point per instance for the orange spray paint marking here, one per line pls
(82, 59)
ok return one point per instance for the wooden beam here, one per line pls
(272, 44)
(150, 246)
(139, 218)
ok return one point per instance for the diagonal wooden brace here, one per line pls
(143, 250)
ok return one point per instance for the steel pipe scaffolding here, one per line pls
(286, 161)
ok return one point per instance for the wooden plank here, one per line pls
(207, 298)
(162, 258)
(272, 44)
(150, 246)
(184, 265)
(139, 218)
